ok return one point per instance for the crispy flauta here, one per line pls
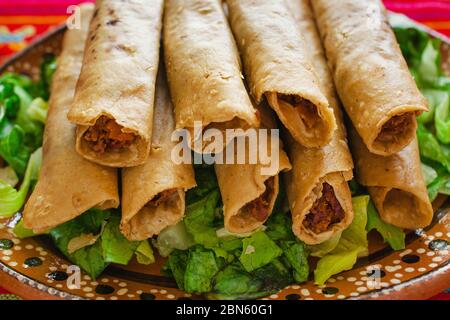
(278, 67)
(248, 193)
(395, 184)
(317, 188)
(204, 70)
(153, 194)
(113, 110)
(371, 75)
(68, 184)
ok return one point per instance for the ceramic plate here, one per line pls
(34, 269)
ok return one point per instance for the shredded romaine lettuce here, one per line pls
(38, 110)
(144, 253)
(352, 244)
(391, 234)
(11, 200)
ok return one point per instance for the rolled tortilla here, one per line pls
(278, 67)
(395, 184)
(153, 194)
(248, 194)
(68, 184)
(317, 188)
(371, 75)
(113, 104)
(204, 70)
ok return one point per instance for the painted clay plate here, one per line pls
(34, 269)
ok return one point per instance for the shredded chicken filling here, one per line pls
(306, 109)
(394, 128)
(162, 197)
(325, 211)
(107, 135)
(260, 207)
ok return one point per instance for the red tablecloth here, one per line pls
(22, 22)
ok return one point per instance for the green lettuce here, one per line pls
(352, 244)
(11, 200)
(13, 150)
(173, 238)
(429, 174)
(116, 248)
(90, 258)
(322, 249)
(144, 253)
(202, 265)
(430, 148)
(199, 220)
(38, 110)
(21, 232)
(391, 234)
(258, 250)
(110, 247)
(296, 255)
(235, 283)
(442, 119)
(177, 263)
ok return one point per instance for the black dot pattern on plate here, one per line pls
(104, 289)
(330, 290)
(293, 297)
(33, 262)
(58, 275)
(376, 273)
(147, 296)
(410, 258)
(438, 244)
(6, 244)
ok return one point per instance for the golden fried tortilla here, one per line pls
(371, 75)
(68, 184)
(317, 187)
(204, 70)
(278, 67)
(113, 104)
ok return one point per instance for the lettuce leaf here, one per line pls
(296, 256)
(279, 227)
(116, 248)
(258, 250)
(8, 175)
(353, 244)
(11, 200)
(173, 238)
(442, 118)
(201, 267)
(90, 259)
(177, 263)
(144, 253)
(206, 183)
(429, 174)
(430, 147)
(235, 283)
(21, 232)
(199, 220)
(391, 234)
(13, 150)
(38, 110)
(324, 248)
(33, 130)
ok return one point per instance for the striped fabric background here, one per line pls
(21, 23)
